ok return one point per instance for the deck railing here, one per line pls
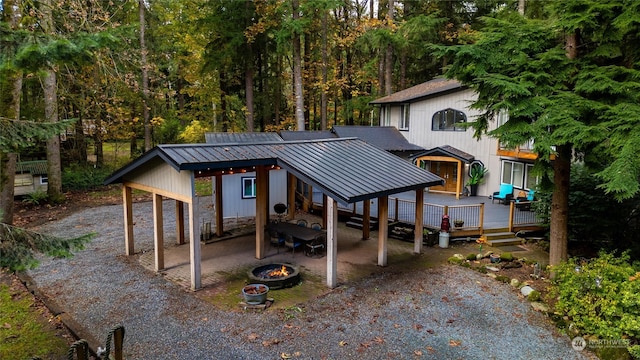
(472, 215)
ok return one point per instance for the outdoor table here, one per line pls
(303, 234)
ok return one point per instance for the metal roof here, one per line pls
(447, 150)
(431, 88)
(288, 135)
(347, 169)
(243, 138)
(35, 167)
(385, 137)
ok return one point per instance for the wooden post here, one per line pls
(481, 218)
(511, 213)
(291, 197)
(158, 232)
(128, 220)
(460, 180)
(194, 240)
(262, 194)
(419, 229)
(383, 229)
(218, 201)
(332, 243)
(366, 219)
(179, 222)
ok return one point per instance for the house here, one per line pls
(433, 115)
(31, 176)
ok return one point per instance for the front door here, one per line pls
(449, 172)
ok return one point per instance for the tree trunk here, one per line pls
(560, 206)
(388, 59)
(50, 84)
(8, 160)
(145, 79)
(297, 71)
(248, 82)
(325, 61)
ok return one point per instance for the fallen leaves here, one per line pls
(454, 343)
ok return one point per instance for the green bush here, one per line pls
(506, 256)
(36, 198)
(600, 296)
(76, 177)
(472, 257)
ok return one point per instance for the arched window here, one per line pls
(448, 120)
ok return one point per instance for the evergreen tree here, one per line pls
(569, 82)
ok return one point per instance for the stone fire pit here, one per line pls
(275, 276)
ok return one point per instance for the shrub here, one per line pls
(472, 257)
(506, 256)
(454, 260)
(36, 198)
(76, 177)
(600, 296)
(533, 296)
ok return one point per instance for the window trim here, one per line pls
(526, 173)
(439, 118)
(252, 182)
(44, 180)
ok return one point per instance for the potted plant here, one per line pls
(476, 177)
(458, 222)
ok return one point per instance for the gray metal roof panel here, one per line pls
(447, 150)
(240, 138)
(385, 137)
(288, 135)
(347, 169)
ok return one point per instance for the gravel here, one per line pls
(446, 312)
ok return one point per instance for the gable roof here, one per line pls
(340, 168)
(244, 138)
(447, 150)
(435, 87)
(385, 137)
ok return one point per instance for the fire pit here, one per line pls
(276, 276)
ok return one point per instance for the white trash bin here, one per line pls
(444, 239)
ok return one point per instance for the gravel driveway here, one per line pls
(444, 313)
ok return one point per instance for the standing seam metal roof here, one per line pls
(347, 169)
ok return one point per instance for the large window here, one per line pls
(518, 174)
(404, 117)
(386, 116)
(248, 187)
(448, 120)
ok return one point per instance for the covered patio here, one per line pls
(342, 169)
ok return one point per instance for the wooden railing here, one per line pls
(403, 210)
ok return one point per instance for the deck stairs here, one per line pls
(501, 237)
(356, 222)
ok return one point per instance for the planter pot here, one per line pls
(255, 294)
(495, 258)
(458, 224)
(474, 189)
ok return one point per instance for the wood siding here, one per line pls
(159, 175)
(233, 205)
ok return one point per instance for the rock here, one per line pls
(485, 255)
(492, 275)
(479, 257)
(526, 290)
(491, 268)
(515, 264)
(538, 306)
(515, 282)
(459, 256)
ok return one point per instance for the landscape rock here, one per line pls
(538, 306)
(526, 290)
(515, 282)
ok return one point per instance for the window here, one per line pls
(386, 116)
(513, 173)
(404, 117)
(248, 187)
(44, 179)
(448, 120)
(531, 180)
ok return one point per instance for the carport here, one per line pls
(345, 170)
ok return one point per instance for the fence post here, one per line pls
(481, 218)
(446, 210)
(511, 214)
(396, 210)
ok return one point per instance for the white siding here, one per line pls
(160, 175)
(233, 205)
(420, 133)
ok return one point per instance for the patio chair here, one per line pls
(276, 239)
(291, 243)
(303, 223)
(523, 203)
(504, 195)
(316, 226)
(315, 247)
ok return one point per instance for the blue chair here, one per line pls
(291, 243)
(504, 195)
(523, 203)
